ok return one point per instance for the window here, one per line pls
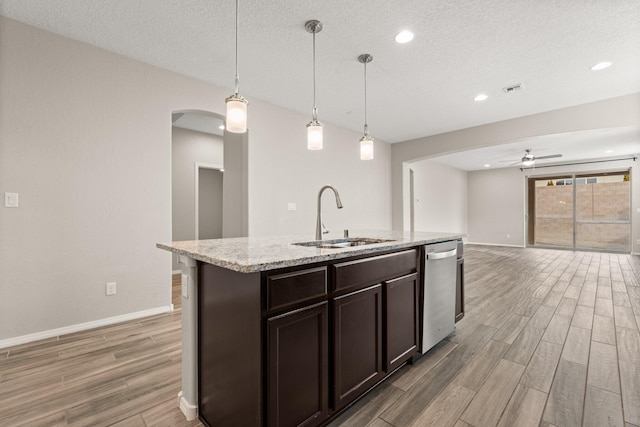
(593, 214)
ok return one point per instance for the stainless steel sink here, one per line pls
(342, 243)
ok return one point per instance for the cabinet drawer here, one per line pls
(295, 287)
(369, 271)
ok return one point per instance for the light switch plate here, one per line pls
(111, 288)
(291, 206)
(11, 200)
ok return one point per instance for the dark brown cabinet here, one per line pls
(400, 320)
(357, 337)
(376, 328)
(298, 361)
(293, 347)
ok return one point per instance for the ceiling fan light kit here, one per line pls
(529, 159)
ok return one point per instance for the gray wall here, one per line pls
(282, 170)
(440, 197)
(210, 204)
(496, 206)
(85, 139)
(188, 148)
(235, 186)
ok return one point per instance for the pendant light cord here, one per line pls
(315, 109)
(237, 77)
(366, 126)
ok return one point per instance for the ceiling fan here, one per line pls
(529, 159)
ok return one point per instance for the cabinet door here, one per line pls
(401, 320)
(357, 343)
(460, 290)
(298, 377)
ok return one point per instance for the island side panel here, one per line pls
(188, 396)
(229, 347)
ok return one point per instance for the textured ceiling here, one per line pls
(422, 88)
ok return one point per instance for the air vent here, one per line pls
(512, 88)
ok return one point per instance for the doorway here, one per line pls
(197, 144)
(587, 211)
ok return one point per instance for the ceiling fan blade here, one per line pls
(548, 157)
(516, 163)
(512, 160)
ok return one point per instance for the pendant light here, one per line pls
(314, 128)
(236, 104)
(366, 142)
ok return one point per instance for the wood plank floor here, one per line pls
(121, 375)
(550, 338)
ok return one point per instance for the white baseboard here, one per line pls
(190, 411)
(10, 342)
(515, 246)
(495, 244)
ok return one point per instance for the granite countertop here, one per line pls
(254, 254)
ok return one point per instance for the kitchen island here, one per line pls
(279, 331)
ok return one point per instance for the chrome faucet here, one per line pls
(320, 230)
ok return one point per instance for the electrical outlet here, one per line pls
(637, 242)
(508, 236)
(111, 288)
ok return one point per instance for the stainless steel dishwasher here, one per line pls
(439, 293)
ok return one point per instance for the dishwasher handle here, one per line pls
(441, 255)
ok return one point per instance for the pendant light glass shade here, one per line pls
(366, 148)
(314, 135)
(314, 128)
(366, 142)
(236, 118)
(236, 114)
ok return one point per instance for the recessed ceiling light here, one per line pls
(601, 66)
(480, 97)
(404, 37)
(608, 151)
(487, 166)
(221, 127)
